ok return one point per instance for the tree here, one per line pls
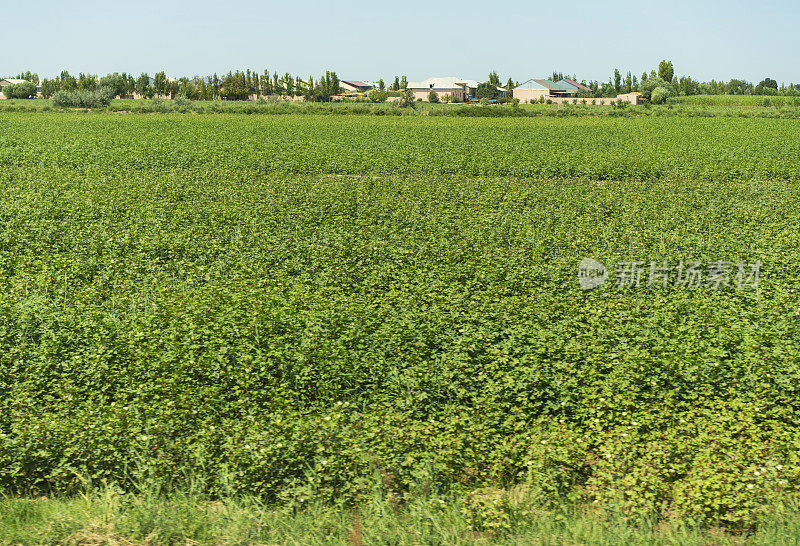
(29, 76)
(666, 71)
(433, 96)
(381, 85)
(652, 84)
(24, 90)
(617, 80)
(115, 82)
(377, 95)
(87, 82)
(607, 90)
(403, 82)
(160, 83)
(49, 87)
(487, 90)
(143, 86)
(556, 76)
(627, 85)
(687, 86)
(407, 99)
(767, 86)
(396, 84)
(738, 87)
(494, 79)
(68, 83)
(659, 95)
(509, 88)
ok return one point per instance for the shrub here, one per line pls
(652, 84)
(25, 90)
(182, 101)
(406, 99)
(659, 95)
(98, 98)
(433, 96)
(378, 96)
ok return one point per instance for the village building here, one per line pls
(565, 90)
(459, 89)
(355, 86)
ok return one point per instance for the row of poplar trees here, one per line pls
(238, 85)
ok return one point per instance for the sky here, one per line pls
(367, 40)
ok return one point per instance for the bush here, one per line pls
(659, 95)
(378, 96)
(433, 96)
(406, 99)
(25, 90)
(652, 84)
(98, 98)
(182, 101)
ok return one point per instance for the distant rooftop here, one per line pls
(571, 84)
(449, 82)
(356, 83)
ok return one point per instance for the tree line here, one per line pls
(247, 84)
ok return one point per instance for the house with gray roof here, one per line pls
(458, 88)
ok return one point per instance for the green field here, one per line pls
(317, 311)
(740, 100)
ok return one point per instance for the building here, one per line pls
(571, 86)
(457, 88)
(354, 86)
(532, 90)
(10, 81)
(565, 90)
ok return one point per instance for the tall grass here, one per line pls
(107, 516)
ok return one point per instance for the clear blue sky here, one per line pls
(360, 39)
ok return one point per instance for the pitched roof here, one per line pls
(571, 84)
(532, 85)
(356, 83)
(551, 85)
(11, 81)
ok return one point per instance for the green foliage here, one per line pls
(648, 87)
(433, 97)
(25, 90)
(369, 310)
(99, 98)
(666, 71)
(487, 90)
(407, 99)
(659, 95)
(378, 96)
(115, 82)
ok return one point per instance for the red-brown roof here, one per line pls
(576, 84)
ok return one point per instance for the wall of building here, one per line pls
(631, 98)
(529, 95)
(423, 93)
